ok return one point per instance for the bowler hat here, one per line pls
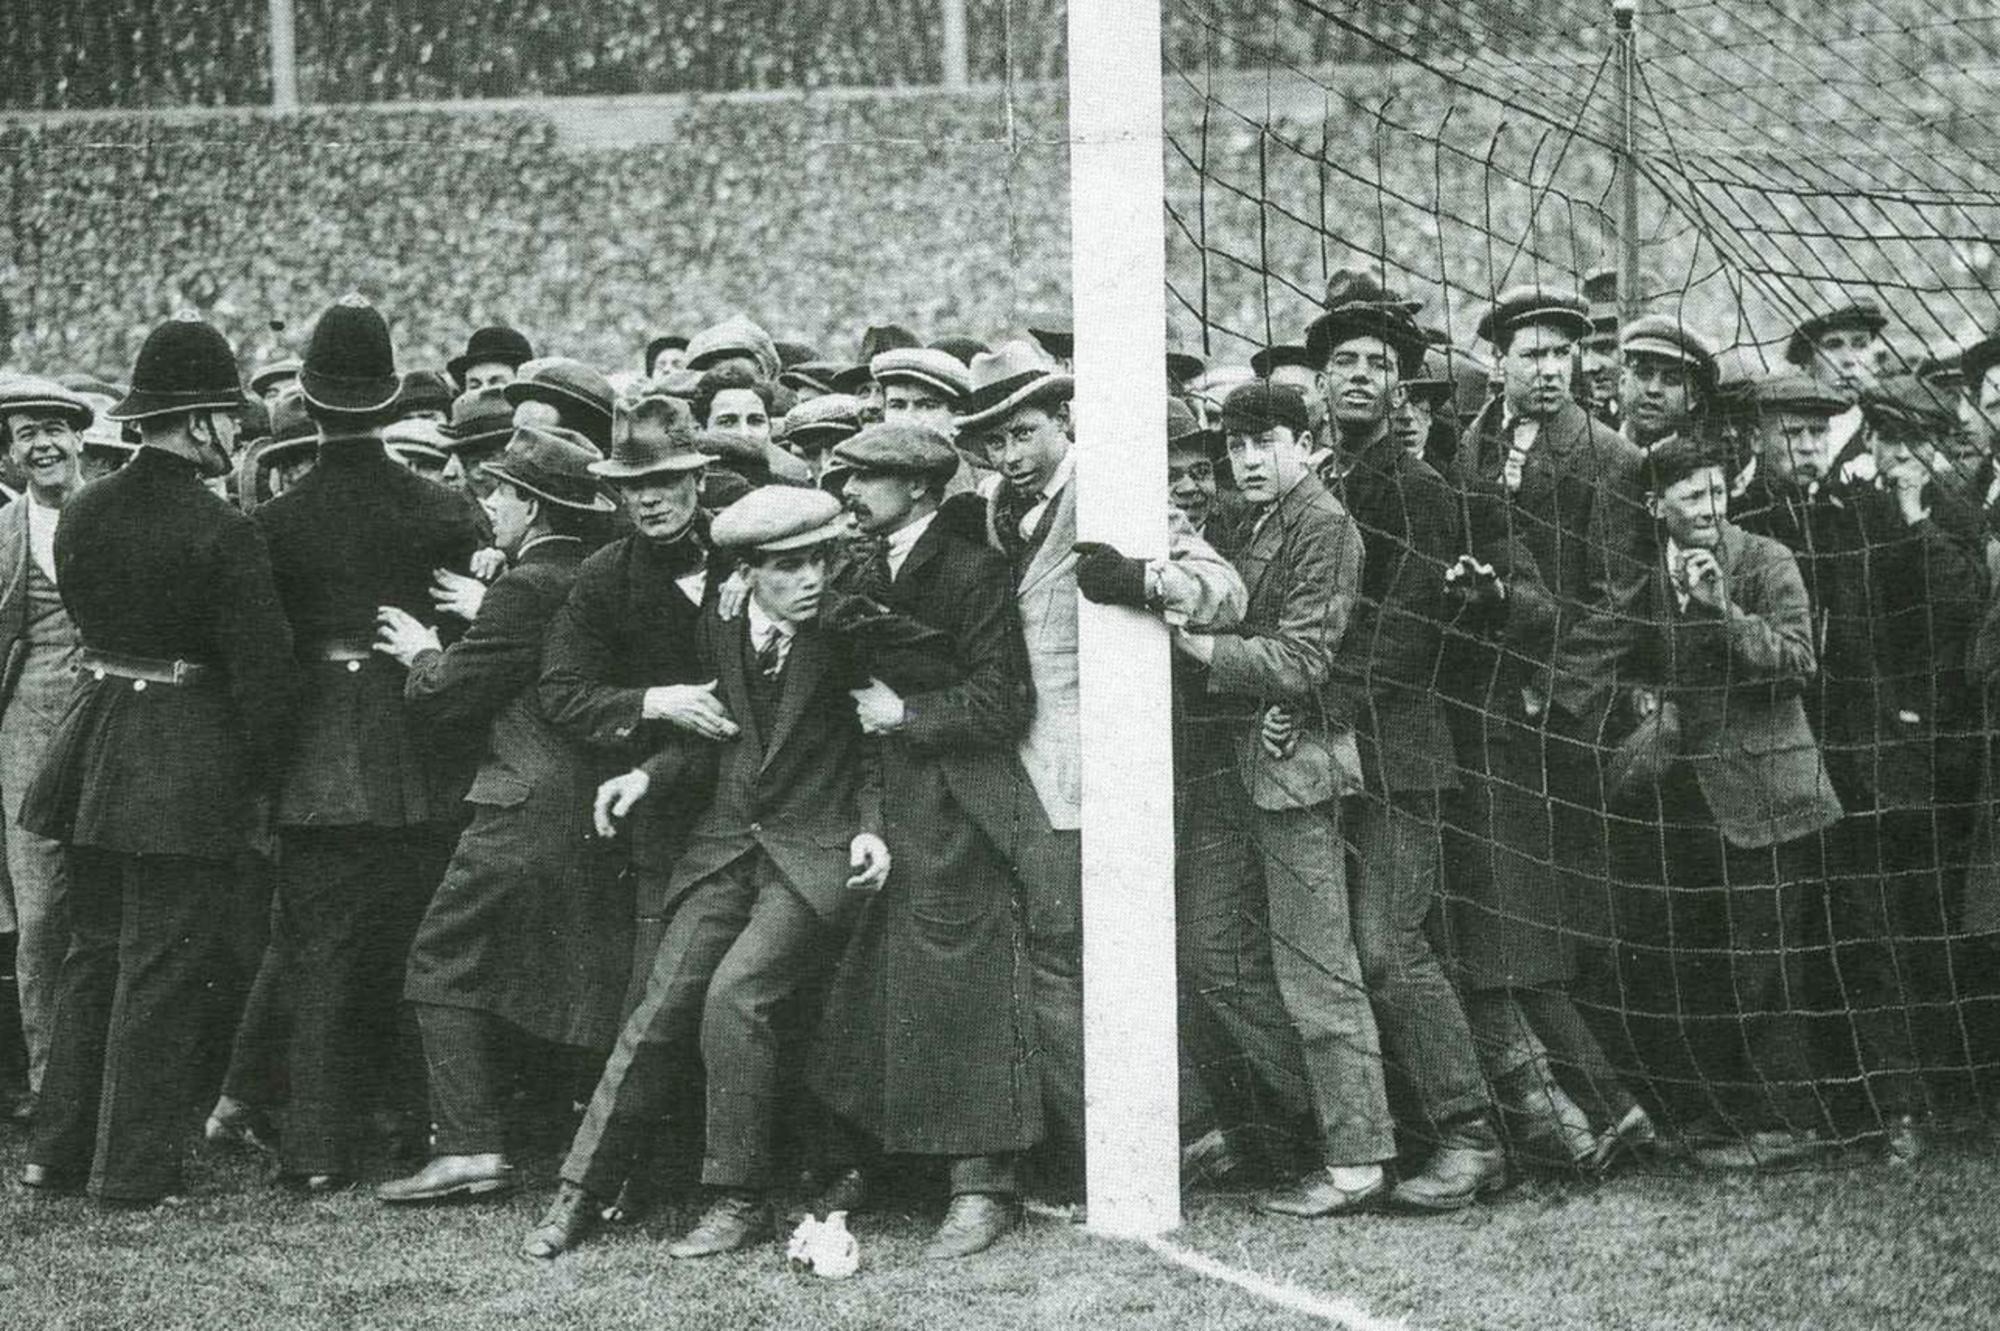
(425, 390)
(649, 437)
(350, 364)
(553, 464)
(483, 418)
(1520, 306)
(571, 387)
(1283, 354)
(495, 344)
(1864, 315)
(886, 337)
(775, 518)
(1257, 406)
(823, 421)
(1007, 379)
(939, 371)
(1391, 323)
(1977, 359)
(183, 365)
(665, 342)
(268, 374)
(30, 393)
(904, 450)
(1351, 286)
(815, 376)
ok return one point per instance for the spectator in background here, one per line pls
(735, 343)
(1289, 364)
(426, 396)
(1666, 374)
(734, 410)
(818, 425)
(268, 381)
(566, 393)
(1840, 347)
(1597, 350)
(482, 421)
(664, 354)
(493, 356)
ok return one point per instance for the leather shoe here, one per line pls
(567, 1222)
(733, 1220)
(1546, 1124)
(1906, 1140)
(1316, 1195)
(1468, 1164)
(234, 1124)
(1633, 1134)
(848, 1192)
(972, 1223)
(50, 1182)
(1772, 1148)
(451, 1178)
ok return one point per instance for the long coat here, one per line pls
(926, 1033)
(151, 564)
(361, 532)
(533, 921)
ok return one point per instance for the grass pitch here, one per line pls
(1837, 1249)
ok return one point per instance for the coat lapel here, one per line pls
(920, 554)
(1055, 552)
(804, 665)
(730, 666)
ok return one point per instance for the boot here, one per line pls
(1468, 1164)
(1545, 1125)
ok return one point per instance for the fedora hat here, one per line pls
(1013, 376)
(552, 464)
(1055, 336)
(425, 390)
(480, 419)
(1184, 427)
(649, 437)
(350, 363)
(886, 337)
(960, 347)
(495, 344)
(183, 365)
(569, 386)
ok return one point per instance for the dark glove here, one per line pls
(1109, 578)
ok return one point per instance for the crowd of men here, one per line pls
(1580, 759)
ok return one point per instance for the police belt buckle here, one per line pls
(142, 670)
(349, 653)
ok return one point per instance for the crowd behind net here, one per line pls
(1791, 158)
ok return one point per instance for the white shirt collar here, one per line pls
(1060, 476)
(42, 521)
(762, 626)
(904, 539)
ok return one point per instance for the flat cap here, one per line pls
(775, 518)
(907, 450)
(1864, 315)
(1799, 393)
(824, 420)
(738, 335)
(266, 375)
(939, 371)
(1664, 336)
(32, 393)
(1520, 306)
(1678, 456)
(1904, 406)
(1257, 406)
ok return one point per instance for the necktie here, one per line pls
(771, 656)
(1518, 446)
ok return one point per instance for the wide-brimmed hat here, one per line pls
(1055, 335)
(350, 363)
(776, 518)
(1390, 322)
(32, 393)
(823, 421)
(425, 390)
(183, 365)
(1520, 306)
(1865, 315)
(901, 450)
(569, 386)
(939, 371)
(652, 436)
(553, 464)
(266, 375)
(794, 353)
(495, 344)
(483, 418)
(417, 439)
(1008, 378)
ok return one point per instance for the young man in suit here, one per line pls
(1722, 633)
(187, 672)
(529, 936)
(924, 1040)
(368, 806)
(781, 854)
(1301, 562)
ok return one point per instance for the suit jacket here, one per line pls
(1201, 589)
(627, 627)
(151, 564)
(1737, 677)
(360, 532)
(1386, 672)
(800, 793)
(14, 559)
(1302, 567)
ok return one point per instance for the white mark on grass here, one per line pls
(1340, 1312)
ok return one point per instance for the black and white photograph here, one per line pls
(835, 665)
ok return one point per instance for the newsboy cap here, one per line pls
(939, 371)
(1799, 393)
(1863, 315)
(823, 421)
(776, 518)
(1259, 405)
(906, 450)
(1668, 338)
(30, 394)
(1520, 306)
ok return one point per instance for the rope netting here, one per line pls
(1709, 806)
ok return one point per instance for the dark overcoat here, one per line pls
(152, 565)
(926, 1032)
(358, 533)
(533, 921)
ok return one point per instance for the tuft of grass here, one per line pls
(1851, 1249)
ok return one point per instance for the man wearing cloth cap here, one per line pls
(737, 341)
(42, 424)
(1031, 518)
(1787, 497)
(186, 670)
(784, 851)
(1839, 348)
(1666, 376)
(1597, 350)
(530, 933)
(1382, 684)
(368, 804)
(924, 386)
(1280, 836)
(924, 1040)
